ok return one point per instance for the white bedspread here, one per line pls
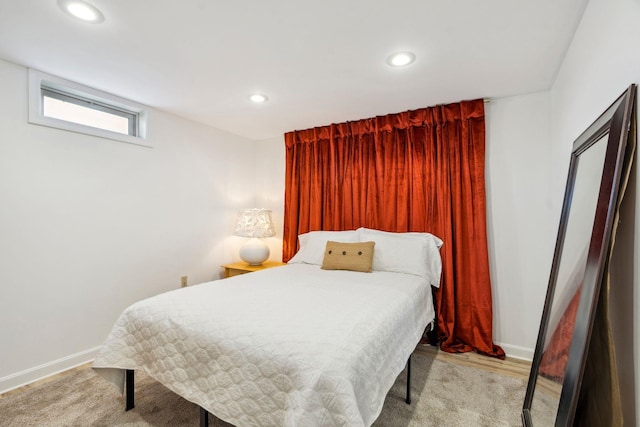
(287, 346)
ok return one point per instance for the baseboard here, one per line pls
(517, 352)
(22, 378)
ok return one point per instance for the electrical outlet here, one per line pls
(183, 281)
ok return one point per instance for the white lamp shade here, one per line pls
(255, 223)
(254, 252)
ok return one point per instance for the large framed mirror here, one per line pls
(582, 249)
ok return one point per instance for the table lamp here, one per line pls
(255, 224)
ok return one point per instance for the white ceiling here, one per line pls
(319, 62)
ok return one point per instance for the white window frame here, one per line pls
(39, 82)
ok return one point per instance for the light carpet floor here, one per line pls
(443, 394)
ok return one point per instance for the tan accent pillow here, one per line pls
(348, 256)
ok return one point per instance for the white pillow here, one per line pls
(313, 244)
(410, 253)
(436, 239)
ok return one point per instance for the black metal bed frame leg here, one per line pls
(408, 399)
(130, 397)
(129, 393)
(204, 417)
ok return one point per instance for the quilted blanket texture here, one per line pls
(288, 346)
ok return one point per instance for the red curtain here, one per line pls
(553, 364)
(420, 170)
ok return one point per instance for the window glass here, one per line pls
(84, 115)
(67, 105)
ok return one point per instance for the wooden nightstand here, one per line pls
(237, 268)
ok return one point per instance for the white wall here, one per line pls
(90, 225)
(520, 231)
(270, 173)
(600, 64)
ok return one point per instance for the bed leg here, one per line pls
(204, 417)
(432, 334)
(129, 382)
(408, 399)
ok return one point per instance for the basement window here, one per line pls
(62, 104)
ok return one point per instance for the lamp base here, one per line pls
(255, 251)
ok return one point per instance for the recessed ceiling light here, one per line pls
(401, 59)
(81, 10)
(258, 98)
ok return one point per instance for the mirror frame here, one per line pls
(615, 122)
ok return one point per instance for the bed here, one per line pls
(287, 346)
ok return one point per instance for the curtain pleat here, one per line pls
(419, 170)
